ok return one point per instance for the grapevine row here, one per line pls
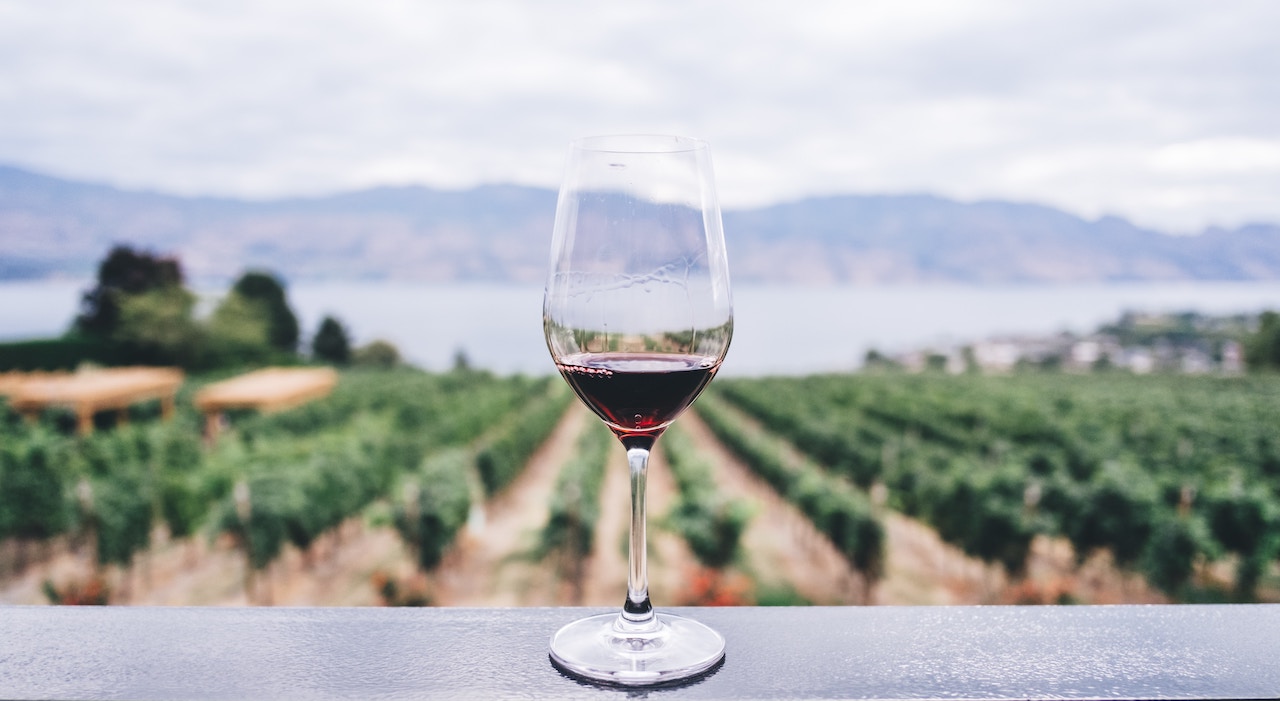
(1162, 472)
(569, 534)
(275, 479)
(711, 524)
(838, 510)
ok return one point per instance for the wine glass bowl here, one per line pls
(638, 317)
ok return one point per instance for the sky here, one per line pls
(1166, 113)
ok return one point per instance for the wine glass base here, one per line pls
(597, 648)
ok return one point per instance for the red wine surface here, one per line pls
(637, 394)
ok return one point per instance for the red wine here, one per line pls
(638, 394)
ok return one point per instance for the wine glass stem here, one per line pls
(637, 613)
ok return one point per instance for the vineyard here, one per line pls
(462, 488)
(1170, 478)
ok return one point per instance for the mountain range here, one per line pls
(52, 227)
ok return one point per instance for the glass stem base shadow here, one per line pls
(637, 646)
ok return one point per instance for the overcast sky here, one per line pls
(1164, 112)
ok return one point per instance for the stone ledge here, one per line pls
(1102, 652)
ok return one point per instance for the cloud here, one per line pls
(1219, 155)
(1161, 112)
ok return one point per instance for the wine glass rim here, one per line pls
(638, 143)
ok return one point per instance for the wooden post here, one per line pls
(84, 420)
(244, 511)
(212, 426)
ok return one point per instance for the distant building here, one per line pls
(1139, 343)
(997, 356)
(1196, 362)
(1085, 353)
(913, 361)
(1140, 361)
(1232, 358)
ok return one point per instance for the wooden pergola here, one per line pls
(266, 390)
(90, 391)
(11, 381)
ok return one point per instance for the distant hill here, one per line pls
(53, 227)
(913, 238)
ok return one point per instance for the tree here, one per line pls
(377, 354)
(265, 289)
(1262, 349)
(239, 331)
(875, 360)
(461, 363)
(123, 273)
(331, 343)
(159, 327)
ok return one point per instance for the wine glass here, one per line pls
(638, 317)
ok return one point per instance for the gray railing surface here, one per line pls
(1103, 652)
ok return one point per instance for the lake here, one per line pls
(777, 330)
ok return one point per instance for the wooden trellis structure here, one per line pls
(90, 391)
(11, 381)
(267, 390)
